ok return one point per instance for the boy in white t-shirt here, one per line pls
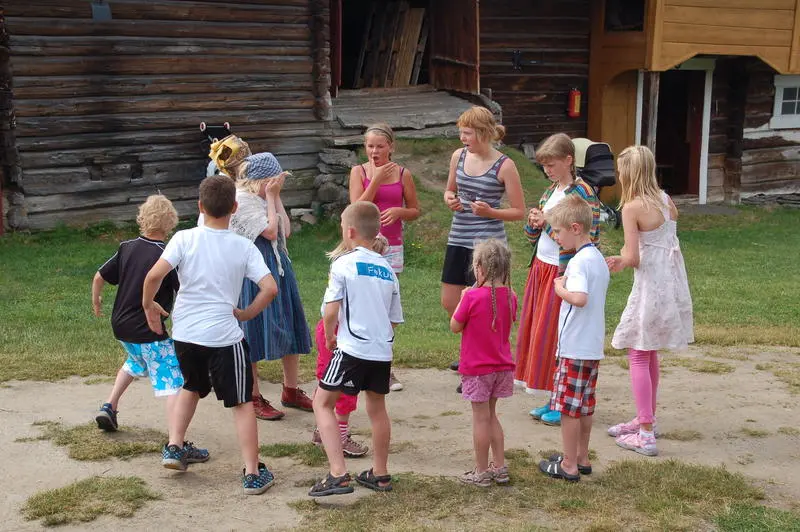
(363, 299)
(212, 263)
(581, 336)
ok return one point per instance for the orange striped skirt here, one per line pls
(537, 337)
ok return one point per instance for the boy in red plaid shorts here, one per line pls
(581, 335)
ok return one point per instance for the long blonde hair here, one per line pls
(637, 176)
(494, 259)
(558, 146)
(379, 245)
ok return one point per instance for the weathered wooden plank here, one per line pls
(127, 65)
(789, 154)
(153, 104)
(105, 85)
(720, 35)
(515, 8)
(177, 10)
(34, 45)
(156, 28)
(737, 4)
(730, 17)
(53, 126)
(284, 135)
(547, 25)
(118, 213)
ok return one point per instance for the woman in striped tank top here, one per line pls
(537, 336)
(479, 177)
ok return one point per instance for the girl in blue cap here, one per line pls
(281, 331)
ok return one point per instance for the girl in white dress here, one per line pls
(658, 314)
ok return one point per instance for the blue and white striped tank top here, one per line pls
(468, 228)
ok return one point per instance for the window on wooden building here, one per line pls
(624, 15)
(786, 109)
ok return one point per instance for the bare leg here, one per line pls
(256, 389)
(381, 432)
(497, 443)
(451, 295)
(123, 380)
(583, 443)
(172, 401)
(182, 414)
(481, 434)
(247, 431)
(571, 435)
(324, 402)
(291, 366)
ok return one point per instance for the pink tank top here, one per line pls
(388, 196)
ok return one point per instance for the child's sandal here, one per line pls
(332, 486)
(554, 470)
(368, 479)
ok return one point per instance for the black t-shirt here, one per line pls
(128, 268)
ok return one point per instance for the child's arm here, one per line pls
(97, 289)
(330, 318)
(152, 310)
(281, 211)
(576, 299)
(410, 209)
(273, 193)
(629, 257)
(461, 314)
(267, 290)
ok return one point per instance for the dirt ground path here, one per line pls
(209, 495)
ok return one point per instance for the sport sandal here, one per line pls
(555, 470)
(582, 469)
(332, 486)
(368, 479)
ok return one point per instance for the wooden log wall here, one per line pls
(108, 111)
(534, 98)
(770, 157)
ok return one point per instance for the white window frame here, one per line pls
(779, 121)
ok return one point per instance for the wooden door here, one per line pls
(454, 35)
(694, 128)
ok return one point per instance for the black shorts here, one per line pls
(226, 369)
(458, 266)
(350, 375)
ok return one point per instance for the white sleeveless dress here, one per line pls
(659, 310)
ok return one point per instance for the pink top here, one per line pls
(387, 196)
(483, 350)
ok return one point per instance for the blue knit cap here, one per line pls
(262, 165)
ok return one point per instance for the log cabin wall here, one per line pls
(534, 98)
(8, 153)
(770, 157)
(108, 111)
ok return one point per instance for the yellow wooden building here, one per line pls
(713, 85)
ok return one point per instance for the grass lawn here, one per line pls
(742, 271)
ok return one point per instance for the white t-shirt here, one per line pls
(582, 330)
(212, 265)
(547, 250)
(370, 295)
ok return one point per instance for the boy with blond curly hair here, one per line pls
(150, 354)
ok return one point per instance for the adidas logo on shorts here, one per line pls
(349, 384)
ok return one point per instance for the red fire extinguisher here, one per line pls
(574, 103)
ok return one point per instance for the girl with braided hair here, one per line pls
(484, 316)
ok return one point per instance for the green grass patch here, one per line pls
(636, 494)
(88, 499)
(682, 435)
(304, 453)
(746, 517)
(790, 376)
(699, 365)
(450, 413)
(789, 431)
(87, 442)
(48, 331)
(755, 433)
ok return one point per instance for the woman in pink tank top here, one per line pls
(390, 187)
(387, 185)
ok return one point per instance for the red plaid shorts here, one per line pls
(574, 383)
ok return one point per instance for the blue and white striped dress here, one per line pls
(468, 228)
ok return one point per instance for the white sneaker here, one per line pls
(394, 384)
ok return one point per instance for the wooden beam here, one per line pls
(652, 109)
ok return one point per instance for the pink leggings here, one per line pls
(346, 404)
(644, 381)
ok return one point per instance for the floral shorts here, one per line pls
(574, 383)
(481, 388)
(156, 360)
(394, 255)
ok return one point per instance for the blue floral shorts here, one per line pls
(156, 360)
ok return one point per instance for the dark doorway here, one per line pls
(679, 130)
